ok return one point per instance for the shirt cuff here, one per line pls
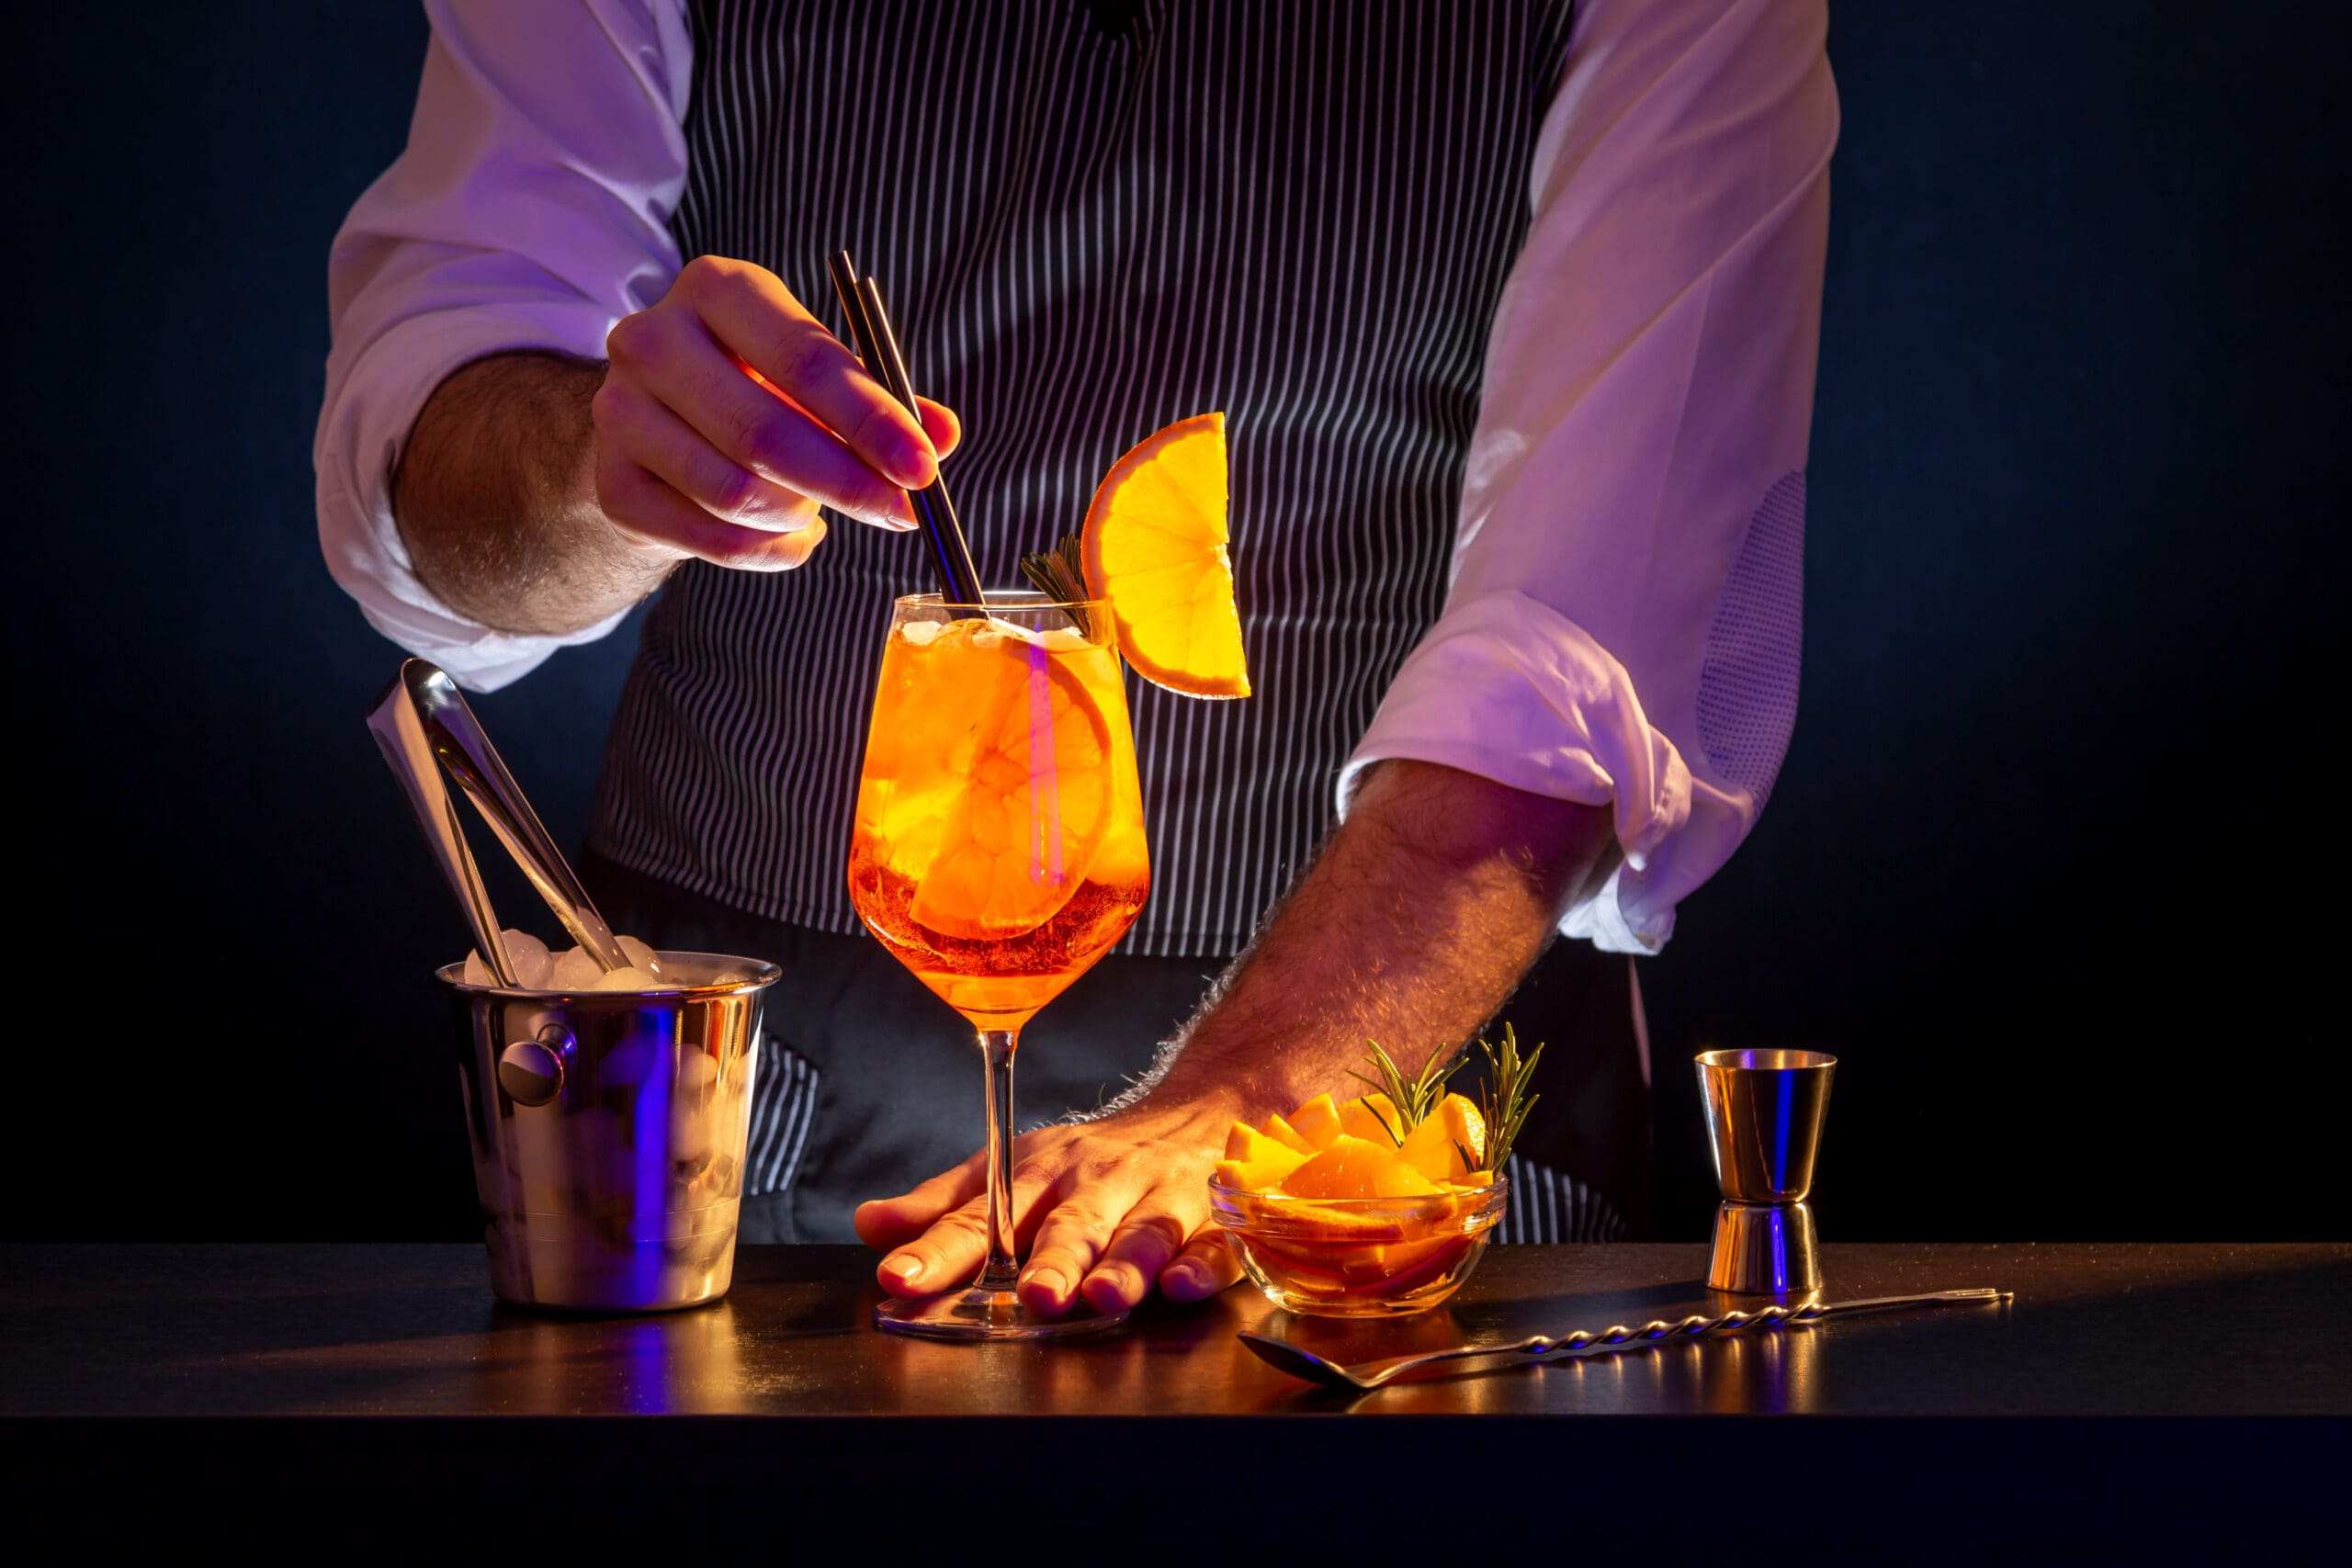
(361, 431)
(1507, 688)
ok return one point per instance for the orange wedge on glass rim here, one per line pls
(1154, 544)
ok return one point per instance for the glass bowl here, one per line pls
(1358, 1257)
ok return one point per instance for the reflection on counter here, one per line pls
(679, 1363)
(1766, 1372)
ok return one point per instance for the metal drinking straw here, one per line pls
(951, 559)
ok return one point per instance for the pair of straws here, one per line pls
(877, 345)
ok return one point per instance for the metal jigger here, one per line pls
(1764, 1115)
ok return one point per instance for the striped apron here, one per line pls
(1090, 221)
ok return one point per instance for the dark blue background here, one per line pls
(2053, 866)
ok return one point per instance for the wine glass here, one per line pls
(997, 853)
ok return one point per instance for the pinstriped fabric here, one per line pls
(1299, 213)
(1548, 1207)
(784, 1107)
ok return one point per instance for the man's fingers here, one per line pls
(1101, 1212)
(649, 434)
(1149, 1236)
(952, 1247)
(1071, 1240)
(672, 361)
(939, 422)
(1207, 1265)
(750, 310)
(644, 509)
(949, 1251)
(887, 1221)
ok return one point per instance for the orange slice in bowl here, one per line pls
(1435, 1147)
(1290, 1137)
(1155, 547)
(1373, 1118)
(1317, 1122)
(1257, 1161)
(1357, 1167)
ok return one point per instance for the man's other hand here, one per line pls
(729, 415)
(1105, 1210)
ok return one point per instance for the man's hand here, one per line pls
(541, 494)
(1416, 920)
(698, 458)
(1105, 1209)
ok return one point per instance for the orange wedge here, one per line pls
(1373, 1117)
(1283, 1133)
(1154, 545)
(1436, 1146)
(1357, 1167)
(1259, 1162)
(1318, 1121)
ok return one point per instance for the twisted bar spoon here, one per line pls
(1365, 1376)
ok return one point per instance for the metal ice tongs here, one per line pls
(422, 725)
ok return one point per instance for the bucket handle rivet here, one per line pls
(531, 1071)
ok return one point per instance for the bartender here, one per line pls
(1512, 311)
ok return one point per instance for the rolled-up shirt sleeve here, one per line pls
(530, 210)
(1623, 624)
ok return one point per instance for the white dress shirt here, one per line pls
(1622, 624)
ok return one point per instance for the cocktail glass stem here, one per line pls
(1003, 1268)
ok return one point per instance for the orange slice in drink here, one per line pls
(1023, 795)
(1154, 544)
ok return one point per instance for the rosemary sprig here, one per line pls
(1412, 1100)
(1060, 575)
(1503, 1105)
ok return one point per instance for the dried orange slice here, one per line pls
(1154, 546)
(1000, 825)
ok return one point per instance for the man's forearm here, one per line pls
(1416, 920)
(496, 500)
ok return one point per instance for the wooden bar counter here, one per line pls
(2128, 1391)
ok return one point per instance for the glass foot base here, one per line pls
(978, 1313)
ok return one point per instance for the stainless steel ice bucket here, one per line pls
(609, 1130)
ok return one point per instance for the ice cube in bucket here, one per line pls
(526, 952)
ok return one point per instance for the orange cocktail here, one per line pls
(998, 850)
(999, 847)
